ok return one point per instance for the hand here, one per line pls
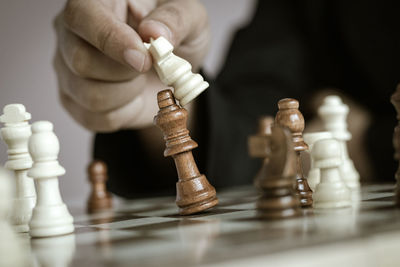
(104, 71)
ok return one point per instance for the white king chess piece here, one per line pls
(50, 216)
(16, 133)
(175, 71)
(333, 113)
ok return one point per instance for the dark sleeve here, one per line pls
(268, 61)
(131, 171)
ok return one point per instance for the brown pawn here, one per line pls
(289, 116)
(193, 191)
(276, 178)
(395, 99)
(100, 199)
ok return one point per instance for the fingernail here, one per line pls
(160, 29)
(135, 58)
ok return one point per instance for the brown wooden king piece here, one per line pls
(290, 117)
(100, 199)
(277, 177)
(395, 99)
(193, 191)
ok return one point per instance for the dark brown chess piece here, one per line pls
(289, 116)
(276, 178)
(193, 191)
(100, 199)
(395, 99)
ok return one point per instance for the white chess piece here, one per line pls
(331, 192)
(50, 216)
(310, 138)
(175, 71)
(11, 250)
(15, 133)
(334, 112)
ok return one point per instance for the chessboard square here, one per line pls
(134, 222)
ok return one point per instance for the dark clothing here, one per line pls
(290, 49)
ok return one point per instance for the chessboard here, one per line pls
(150, 232)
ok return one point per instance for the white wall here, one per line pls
(27, 44)
(225, 17)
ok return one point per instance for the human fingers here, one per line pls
(107, 121)
(84, 60)
(95, 95)
(184, 23)
(176, 20)
(138, 9)
(105, 31)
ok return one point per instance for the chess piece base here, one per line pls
(332, 205)
(195, 195)
(278, 207)
(332, 196)
(51, 221)
(99, 205)
(199, 207)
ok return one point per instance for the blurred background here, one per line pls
(27, 46)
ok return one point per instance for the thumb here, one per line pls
(177, 20)
(99, 26)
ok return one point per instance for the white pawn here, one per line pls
(15, 133)
(313, 177)
(331, 192)
(175, 71)
(50, 216)
(334, 112)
